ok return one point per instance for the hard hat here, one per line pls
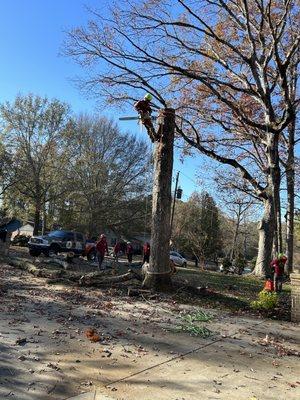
(102, 236)
(148, 96)
(280, 255)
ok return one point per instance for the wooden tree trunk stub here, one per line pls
(158, 275)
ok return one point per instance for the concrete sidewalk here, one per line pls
(94, 395)
(233, 366)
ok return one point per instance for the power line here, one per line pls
(196, 183)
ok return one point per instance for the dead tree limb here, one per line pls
(100, 279)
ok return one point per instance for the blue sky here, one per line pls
(31, 36)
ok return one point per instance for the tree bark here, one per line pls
(277, 206)
(265, 241)
(37, 218)
(236, 232)
(290, 182)
(273, 189)
(44, 222)
(101, 279)
(270, 235)
(158, 274)
(274, 179)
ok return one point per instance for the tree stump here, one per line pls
(4, 246)
(158, 274)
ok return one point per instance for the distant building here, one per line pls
(26, 230)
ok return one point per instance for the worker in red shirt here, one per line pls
(146, 253)
(102, 248)
(129, 252)
(143, 107)
(277, 265)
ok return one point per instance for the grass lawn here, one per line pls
(231, 292)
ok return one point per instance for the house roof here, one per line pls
(26, 227)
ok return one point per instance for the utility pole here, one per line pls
(174, 200)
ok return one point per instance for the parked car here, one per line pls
(177, 259)
(57, 242)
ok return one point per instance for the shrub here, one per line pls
(20, 240)
(266, 301)
(240, 264)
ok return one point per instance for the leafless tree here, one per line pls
(109, 175)
(238, 206)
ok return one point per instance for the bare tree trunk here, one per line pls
(274, 189)
(44, 223)
(37, 218)
(52, 206)
(158, 274)
(277, 205)
(276, 180)
(290, 181)
(265, 241)
(270, 235)
(290, 220)
(236, 232)
(245, 245)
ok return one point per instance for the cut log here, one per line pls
(132, 292)
(40, 271)
(90, 278)
(23, 264)
(73, 276)
(33, 269)
(58, 262)
(46, 273)
(62, 281)
(100, 279)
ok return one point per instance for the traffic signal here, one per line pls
(179, 193)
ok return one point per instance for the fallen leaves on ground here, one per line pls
(92, 335)
(279, 347)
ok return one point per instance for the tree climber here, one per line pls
(143, 107)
